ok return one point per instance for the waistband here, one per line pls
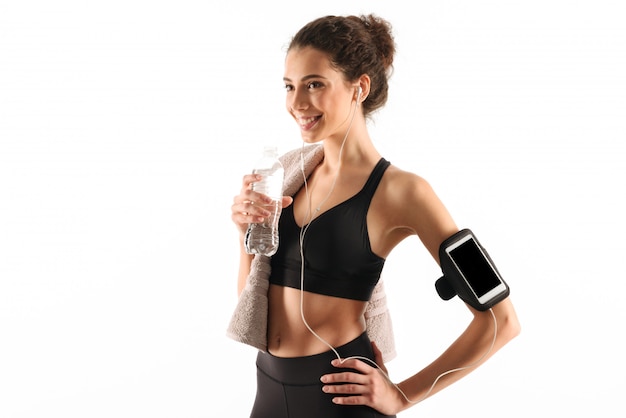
(308, 369)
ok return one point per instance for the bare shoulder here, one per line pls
(403, 187)
(413, 205)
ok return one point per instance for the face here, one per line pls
(319, 99)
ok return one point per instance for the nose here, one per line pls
(297, 100)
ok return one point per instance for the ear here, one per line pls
(362, 88)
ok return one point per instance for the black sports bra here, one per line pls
(338, 259)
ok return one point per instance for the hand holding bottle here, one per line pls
(256, 210)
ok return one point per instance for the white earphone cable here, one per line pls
(309, 218)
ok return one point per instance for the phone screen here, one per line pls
(474, 266)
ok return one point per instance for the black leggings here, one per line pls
(291, 387)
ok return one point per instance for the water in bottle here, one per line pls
(262, 238)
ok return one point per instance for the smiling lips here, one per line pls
(308, 122)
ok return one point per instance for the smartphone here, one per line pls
(475, 268)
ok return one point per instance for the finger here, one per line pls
(249, 202)
(250, 196)
(345, 389)
(248, 212)
(248, 179)
(247, 192)
(351, 394)
(344, 377)
(353, 363)
(287, 200)
(350, 400)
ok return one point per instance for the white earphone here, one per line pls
(359, 91)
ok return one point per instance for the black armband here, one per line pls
(469, 272)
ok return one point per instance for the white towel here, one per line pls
(248, 323)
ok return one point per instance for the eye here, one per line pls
(314, 85)
(288, 87)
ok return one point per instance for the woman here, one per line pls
(336, 231)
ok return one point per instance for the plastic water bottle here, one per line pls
(262, 238)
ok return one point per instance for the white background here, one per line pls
(125, 128)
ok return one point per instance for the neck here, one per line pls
(357, 149)
(354, 146)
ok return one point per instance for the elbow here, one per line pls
(509, 326)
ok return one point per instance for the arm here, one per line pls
(472, 348)
(418, 211)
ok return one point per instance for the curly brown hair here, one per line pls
(355, 45)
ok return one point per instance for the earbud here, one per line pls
(359, 91)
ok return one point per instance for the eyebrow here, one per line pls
(306, 77)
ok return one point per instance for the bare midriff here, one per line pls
(336, 320)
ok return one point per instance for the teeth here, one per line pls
(306, 121)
